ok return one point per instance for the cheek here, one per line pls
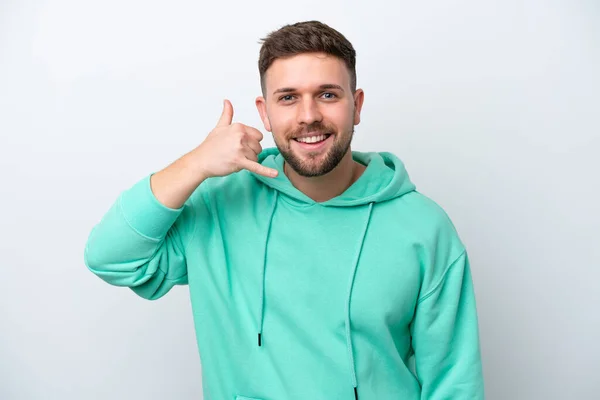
(342, 119)
(281, 125)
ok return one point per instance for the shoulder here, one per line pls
(432, 234)
(422, 225)
(424, 217)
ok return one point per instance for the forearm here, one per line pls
(173, 185)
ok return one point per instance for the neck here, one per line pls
(330, 185)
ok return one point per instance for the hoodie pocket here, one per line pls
(246, 398)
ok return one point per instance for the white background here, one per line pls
(493, 106)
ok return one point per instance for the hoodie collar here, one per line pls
(384, 178)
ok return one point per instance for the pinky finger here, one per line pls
(259, 169)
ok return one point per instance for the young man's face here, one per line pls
(311, 111)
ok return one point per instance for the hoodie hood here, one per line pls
(385, 178)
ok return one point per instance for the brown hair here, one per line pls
(306, 37)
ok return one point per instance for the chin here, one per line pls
(316, 163)
(311, 165)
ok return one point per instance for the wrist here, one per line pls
(193, 165)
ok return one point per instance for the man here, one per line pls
(315, 271)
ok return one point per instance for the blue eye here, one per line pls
(286, 97)
(331, 95)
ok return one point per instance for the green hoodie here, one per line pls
(367, 295)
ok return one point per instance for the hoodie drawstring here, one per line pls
(261, 314)
(350, 287)
(348, 326)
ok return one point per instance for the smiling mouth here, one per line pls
(313, 139)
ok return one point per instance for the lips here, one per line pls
(316, 141)
(316, 138)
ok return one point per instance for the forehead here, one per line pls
(305, 71)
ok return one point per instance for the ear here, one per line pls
(359, 98)
(261, 106)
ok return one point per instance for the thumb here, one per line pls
(226, 115)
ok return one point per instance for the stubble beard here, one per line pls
(316, 164)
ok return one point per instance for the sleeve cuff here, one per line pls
(145, 213)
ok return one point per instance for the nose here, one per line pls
(308, 112)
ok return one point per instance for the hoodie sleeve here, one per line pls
(446, 338)
(140, 243)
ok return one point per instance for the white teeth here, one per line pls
(311, 139)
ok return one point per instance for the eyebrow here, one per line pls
(322, 87)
